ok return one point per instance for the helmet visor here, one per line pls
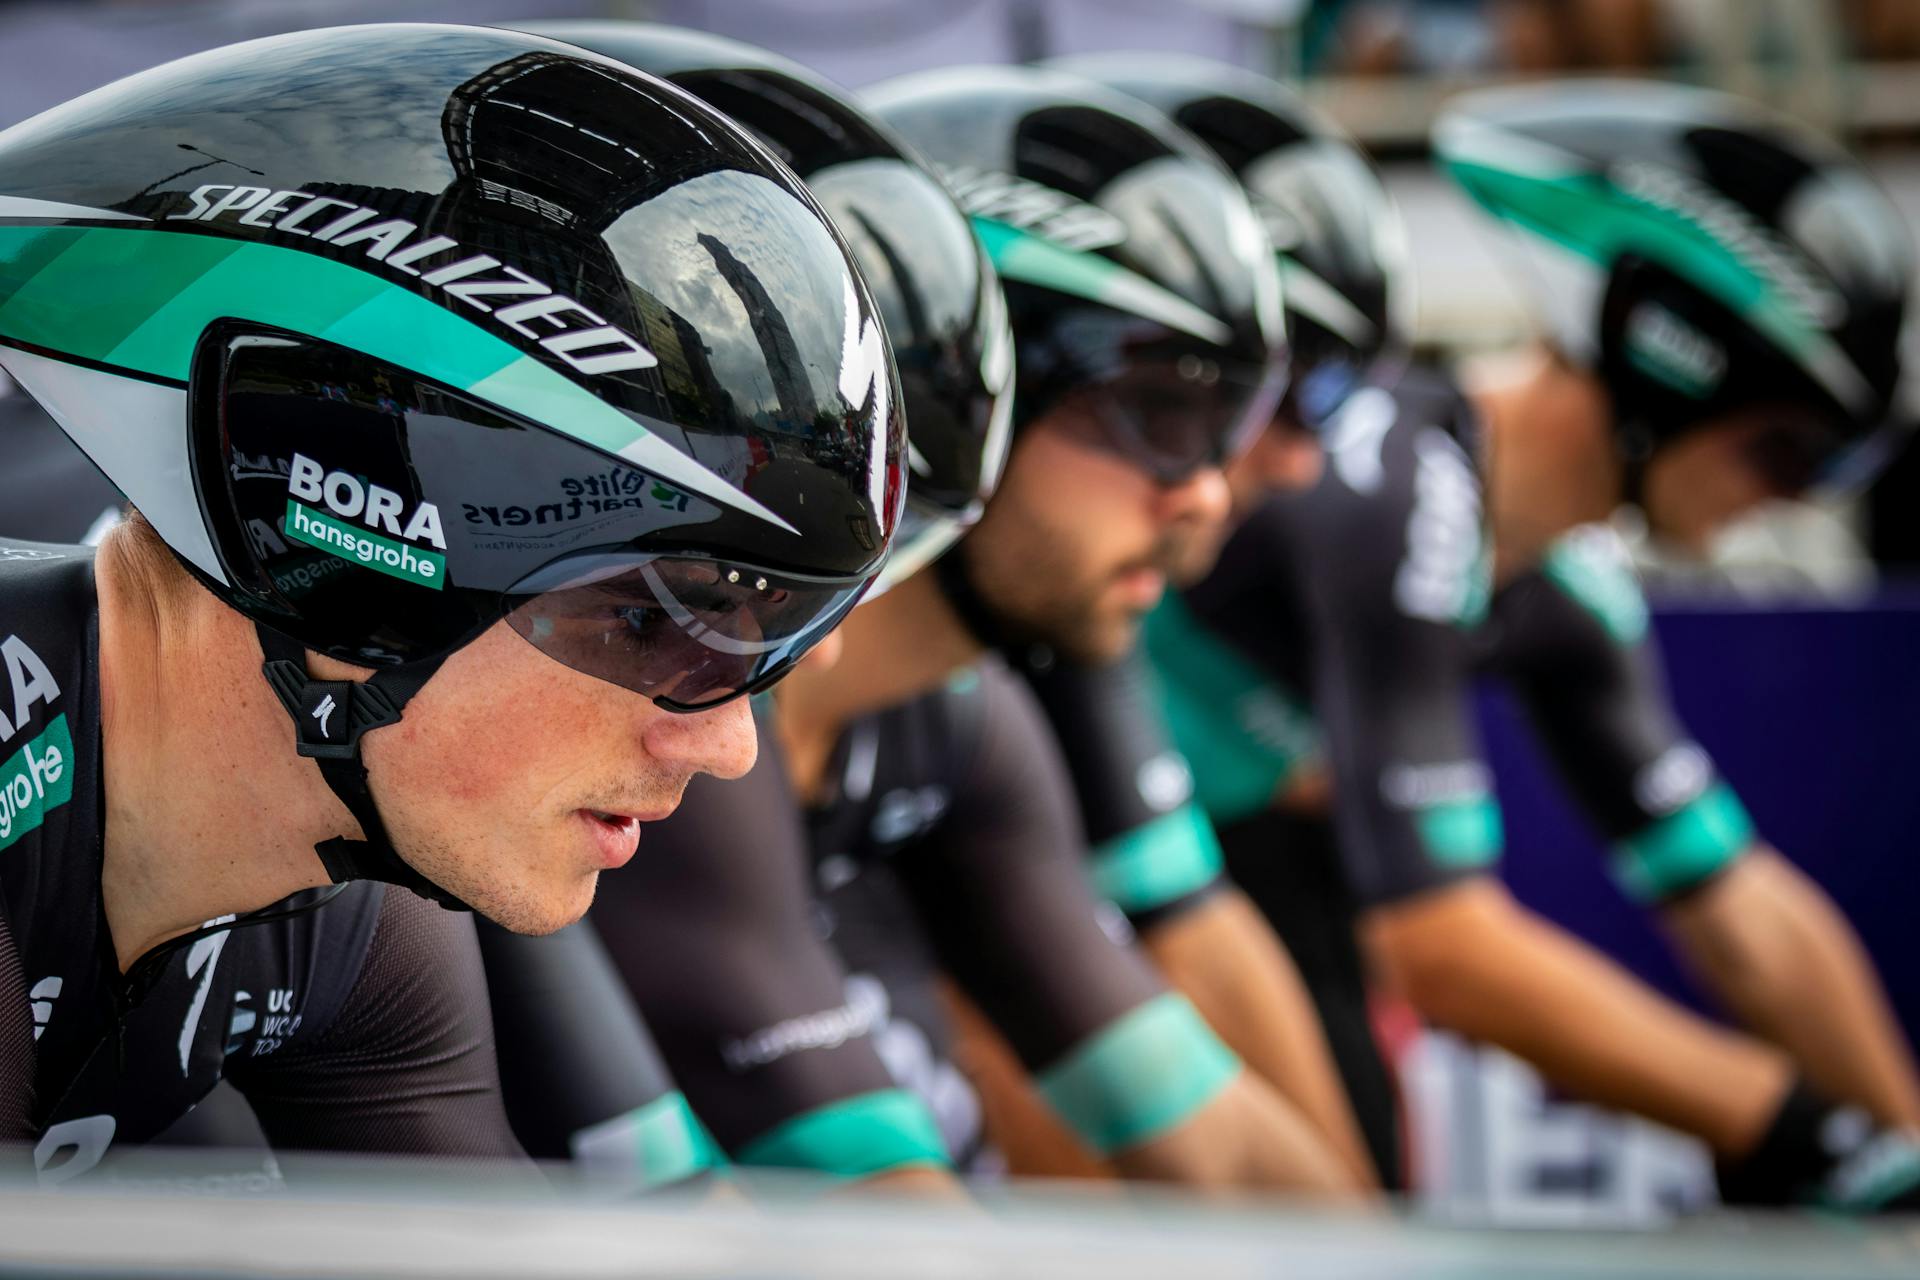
(1173, 418)
(687, 632)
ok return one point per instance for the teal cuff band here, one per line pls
(1146, 1073)
(656, 1145)
(1684, 848)
(1462, 833)
(854, 1137)
(1172, 856)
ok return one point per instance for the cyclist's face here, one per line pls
(1078, 543)
(494, 783)
(1713, 474)
(1285, 458)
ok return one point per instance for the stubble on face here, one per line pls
(483, 783)
(1065, 527)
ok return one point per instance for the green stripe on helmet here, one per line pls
(1591, 216)
(1018, 254)
(168, 286)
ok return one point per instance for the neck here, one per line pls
(896, 648)
(209, 810)
(1551, 461)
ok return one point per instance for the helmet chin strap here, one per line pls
(1634, 443)
(329, 719)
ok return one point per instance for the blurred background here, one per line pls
(1789, 652)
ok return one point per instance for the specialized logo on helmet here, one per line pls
(1753, 245)
(1018, 202)
(576, 334)
(375, 508)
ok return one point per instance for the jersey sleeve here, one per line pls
(1392, 574)
(582, 1077)
(16, 1044)
(1575, 643)
(711, 929)
(1002, 889)
(406, 1065)
(1152, 851)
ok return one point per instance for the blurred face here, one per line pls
(514, 780)
(1285, 458)
(1699, 483)
(1079, 543)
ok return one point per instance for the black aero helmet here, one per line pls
(1701, 254)
(393, 332)
(936, 293)
(1142, 290)
(1342, 248)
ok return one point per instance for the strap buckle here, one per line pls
(329, 715)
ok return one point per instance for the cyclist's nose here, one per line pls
(721, 741)
(1200, 498)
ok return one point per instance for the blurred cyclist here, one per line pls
(1732, 293)
(931, 812)
(452, 415)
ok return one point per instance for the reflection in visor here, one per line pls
(687, 632)
(1172, 419)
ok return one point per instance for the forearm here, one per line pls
(1772, 946)
(1246, 1137)
(1223, 956)
(1157, 1094)
(1032, 1139)
(1472, 960)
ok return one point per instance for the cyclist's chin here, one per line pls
(538, 910)
(518, 888)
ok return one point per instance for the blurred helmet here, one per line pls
(1342, 248)
(393, 332)
(1700, 254)
(936, 293)
(1142, 291)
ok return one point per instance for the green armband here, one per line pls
(1152, 865)
(1684, 848)
(657, 1145)
(854, 1137)
(1144, 1074)
(1466, 832)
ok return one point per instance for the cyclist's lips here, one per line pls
(615, 834)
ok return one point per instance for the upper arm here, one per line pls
(1395, 579)
(1152, 851)
(1002, 889)
(1576, 644)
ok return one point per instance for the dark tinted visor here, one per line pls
(685, 631)
(1795, 449)
(1173, 418)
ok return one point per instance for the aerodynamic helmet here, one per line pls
(394, 332)
(936, 292)
(1701, 254)
(1142, 291)
(1344, 270)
